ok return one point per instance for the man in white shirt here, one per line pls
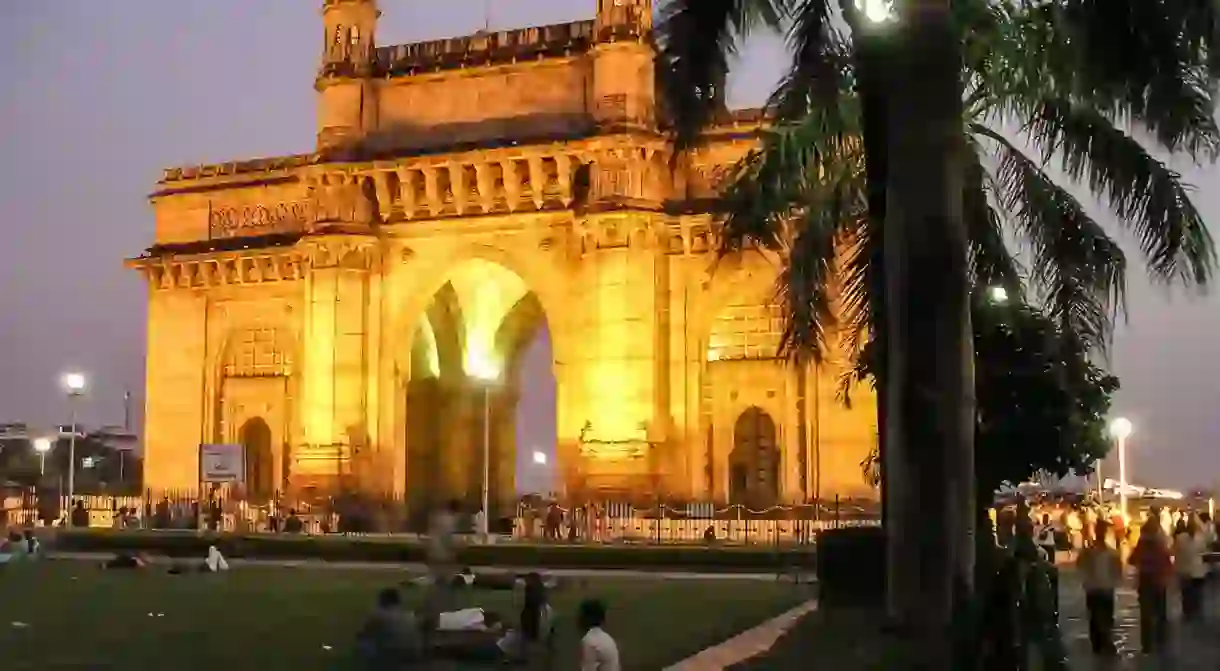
(598, 650)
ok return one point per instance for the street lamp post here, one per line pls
(1120, 430)
(486, 374)
(42, 446)
(74, 384)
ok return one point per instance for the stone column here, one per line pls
(614, 393)
(335, 367)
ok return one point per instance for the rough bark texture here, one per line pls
(929, 367)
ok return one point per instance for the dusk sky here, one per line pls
(96, 96)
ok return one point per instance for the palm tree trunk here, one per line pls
(871, 60)
(929, 363)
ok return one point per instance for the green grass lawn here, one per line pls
(68, 615)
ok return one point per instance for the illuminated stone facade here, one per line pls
(333, 310)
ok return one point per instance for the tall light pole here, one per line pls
(1120, 430)
(42, 446)
(486, 374)
(74, 384)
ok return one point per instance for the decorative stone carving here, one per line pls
(256, 352)
(229, 222)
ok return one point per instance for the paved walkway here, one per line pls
(1194, 647)
(421, 568)
(746, 645)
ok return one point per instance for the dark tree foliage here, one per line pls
(1042, 403)
(107, 471)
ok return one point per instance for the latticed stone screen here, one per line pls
(256, 353)
(746, 332)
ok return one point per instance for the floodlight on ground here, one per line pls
(877, 11)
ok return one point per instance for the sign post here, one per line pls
(222, 463)
(219, 463)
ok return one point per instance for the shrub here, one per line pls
(851, 567)
(387, 549)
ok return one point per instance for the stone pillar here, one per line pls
(426, 411)
(614, 420)
(506, 451)
(176, 373)
(335, 370)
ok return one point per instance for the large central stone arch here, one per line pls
(411, 291)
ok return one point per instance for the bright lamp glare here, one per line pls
(42, 445)
(876, 11)
(1121, 428)
(999, 295)
(539, 458)
(74, 382)
(483, 369)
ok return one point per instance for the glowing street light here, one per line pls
(74, 384)
(1120, 430)
(486, 372)
(877, 11)
(539, 458)
(42, 446)
(998, 295)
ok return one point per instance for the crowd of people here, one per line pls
(394, 637)
(1165, 550)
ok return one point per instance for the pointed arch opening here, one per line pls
(483, 322)
(255, 437)
(754, 468)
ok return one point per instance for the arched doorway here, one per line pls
(754, 461)
(255, 437)
(483, 320)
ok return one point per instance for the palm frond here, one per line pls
(1079, 270)
(1145, 194)
(821, 63)
(1151, 63)
(805, 286)
(697, 38)
(765, 191)
(991, 261)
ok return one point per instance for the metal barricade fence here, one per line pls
(534, 520)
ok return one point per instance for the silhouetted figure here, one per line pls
(80, 517)
(293, 524)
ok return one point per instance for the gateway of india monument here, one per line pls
(356, 315)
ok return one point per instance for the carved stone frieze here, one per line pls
(243, 220)
(222, 270)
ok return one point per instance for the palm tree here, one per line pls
(1045, 67)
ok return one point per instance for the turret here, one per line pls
(347, 108)
(623, 63)
(624, 17)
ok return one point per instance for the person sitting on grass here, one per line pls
(598, 650)
(486, 641)
(390, 638)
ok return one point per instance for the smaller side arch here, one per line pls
(255, 437)
(754, 462)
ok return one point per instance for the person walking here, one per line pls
(1188, 550)
(1154, 572)
(1101, 572)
